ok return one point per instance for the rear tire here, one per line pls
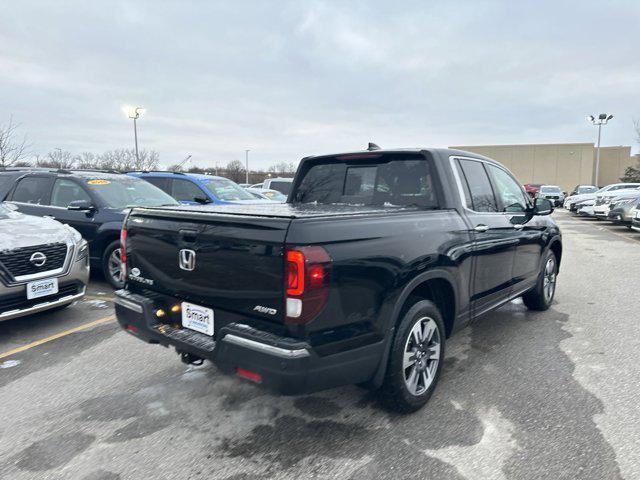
(111, 266)
(415, 360)
(541, 297)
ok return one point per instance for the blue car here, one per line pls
(198, 189)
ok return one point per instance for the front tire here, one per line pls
(415, 360)
(112, 265)
(541, 297)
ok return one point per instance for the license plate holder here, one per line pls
(42, 288)
(198, 318)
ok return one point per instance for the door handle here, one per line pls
(481, 228)
(519, 226)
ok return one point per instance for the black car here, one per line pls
(376, 258)
(94, 203)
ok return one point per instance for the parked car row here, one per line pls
(618, 202)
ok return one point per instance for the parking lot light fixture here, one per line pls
(600, 120)
(134, 113)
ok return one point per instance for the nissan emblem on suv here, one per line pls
(38, 259)
(187, 259)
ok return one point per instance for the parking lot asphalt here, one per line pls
(523, 395)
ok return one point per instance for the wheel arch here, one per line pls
(438, 286)
(556, 247)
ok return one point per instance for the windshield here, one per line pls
(226, 190)
(125, 191)
(550, 189)
(587, 190)
(400, 181)
(274, 195)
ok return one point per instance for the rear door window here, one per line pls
(186, 191)
(33, 189)
(162, 183)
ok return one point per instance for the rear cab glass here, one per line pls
(281, 186)
(390, 180)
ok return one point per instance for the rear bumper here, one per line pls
(285, 365)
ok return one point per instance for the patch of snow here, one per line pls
(9, 364)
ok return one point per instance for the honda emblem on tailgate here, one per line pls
(187, 259)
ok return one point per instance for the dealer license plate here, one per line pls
(42, 288)
(197, 318)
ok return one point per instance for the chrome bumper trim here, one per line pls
(264, 348)
(39, 307)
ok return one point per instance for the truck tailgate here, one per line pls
(238, 259)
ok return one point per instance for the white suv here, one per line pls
(571, 202)
(602, 204)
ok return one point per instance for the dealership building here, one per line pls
(562, 164)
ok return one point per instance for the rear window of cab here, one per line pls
(384, 180)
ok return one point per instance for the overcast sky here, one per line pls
(290, 79)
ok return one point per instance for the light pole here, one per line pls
(600, 120)
(246, 159)
(134, 114)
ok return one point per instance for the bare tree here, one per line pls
(285, 168)
(12, 148)
(87, 160)
(196, 169)
(235, 171)
(124, 159)
(57, 158)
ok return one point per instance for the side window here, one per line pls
(67, 191)
(480, 189)
(33, 190)
(509, 193)
(186, 191)
(162, 183)
(465, 186)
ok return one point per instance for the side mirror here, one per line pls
(201, 200)
(81, 206)
(542, 206)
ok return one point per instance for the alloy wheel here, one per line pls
(115, 266)
(421, 356)
(549, 281)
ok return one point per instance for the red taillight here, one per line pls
(307, 275)
(123, 251)
(249, 375)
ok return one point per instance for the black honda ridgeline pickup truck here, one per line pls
(374, 261)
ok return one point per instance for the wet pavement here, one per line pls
(523, 395)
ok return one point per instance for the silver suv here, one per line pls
(43, 264)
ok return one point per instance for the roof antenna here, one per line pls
(372, 147)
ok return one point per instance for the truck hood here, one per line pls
(18, 230)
